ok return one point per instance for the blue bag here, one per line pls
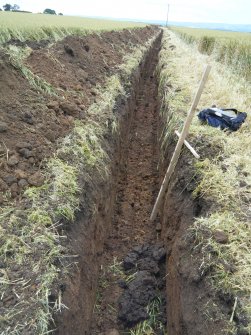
(219, 118)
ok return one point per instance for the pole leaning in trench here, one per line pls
(178, 147)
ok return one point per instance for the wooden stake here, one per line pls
(177, 150)
(188, 146)
(234, 308)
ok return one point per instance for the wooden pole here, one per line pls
(168, 6)
(177, 150)
(188, 145)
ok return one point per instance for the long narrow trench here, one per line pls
(136, 191)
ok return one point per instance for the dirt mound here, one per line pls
(147, 262)
(31, 121)
(81, 63)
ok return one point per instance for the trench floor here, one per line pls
(136, 193)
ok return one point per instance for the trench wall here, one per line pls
(188, 291)
(88, 233)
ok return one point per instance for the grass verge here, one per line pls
(224, 169)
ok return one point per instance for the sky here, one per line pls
(219, 11)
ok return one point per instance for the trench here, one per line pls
(124, 258)
(136, 191)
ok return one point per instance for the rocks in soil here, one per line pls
(24, 149)
(53, 105)
(10, 179)
(22, 183)
(69, 108)
(14, 190)
(3, 127)
(14, 160)
(23, 145)
(220, 237)
(27, 118)
(36, 179)
(3, 186)
(26, 153)
(147, 262)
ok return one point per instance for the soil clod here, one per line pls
(146, 260)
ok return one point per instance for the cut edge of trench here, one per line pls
(187, 293)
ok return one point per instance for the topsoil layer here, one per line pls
(31, 121)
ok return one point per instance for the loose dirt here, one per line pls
(31, 121)
(136, 192)
(131, 265)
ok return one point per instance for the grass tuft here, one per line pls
(152, 325)
(17, 55)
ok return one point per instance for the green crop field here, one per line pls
(230, 48)
(218, 34)
(25, 26)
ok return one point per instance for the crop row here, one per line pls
(28, 26)
(232, 49)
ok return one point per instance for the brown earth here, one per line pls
(31, 121)
(136, 192)
(132, 190)
(30, 124)
(194, 306)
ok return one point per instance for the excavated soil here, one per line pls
(131, 227)
(122, 261)
(122, 220)
(31, 121)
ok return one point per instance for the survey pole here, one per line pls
(168, 7)
(179, 145)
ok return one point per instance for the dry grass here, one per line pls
(224, 176)
(152, 324)
(230, 48)
(17, 56)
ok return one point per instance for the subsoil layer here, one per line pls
(131, 227)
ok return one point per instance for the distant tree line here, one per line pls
(51, 11)
(16, 8)
(8, 7)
